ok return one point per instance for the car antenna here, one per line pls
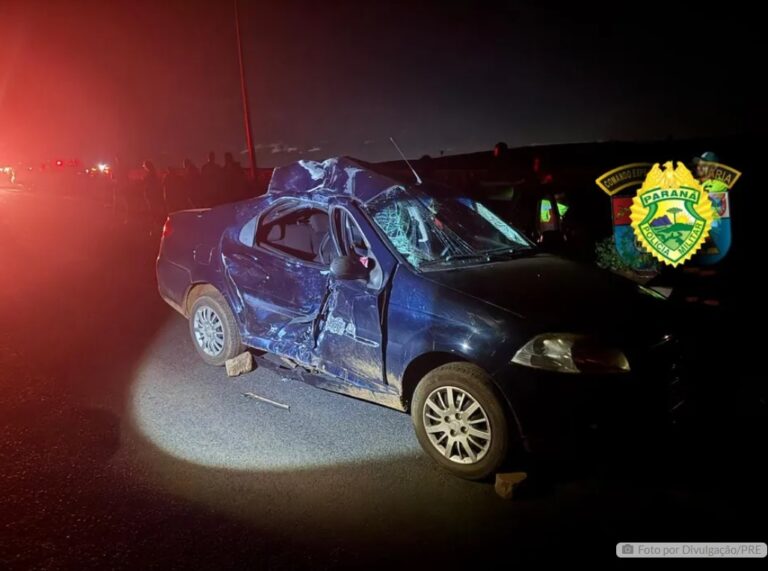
(413, 170)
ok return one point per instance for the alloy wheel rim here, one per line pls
(209, 331)
(457, 425)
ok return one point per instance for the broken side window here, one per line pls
(297, 230)
(352, 242)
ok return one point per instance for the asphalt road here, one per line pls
(120, 449)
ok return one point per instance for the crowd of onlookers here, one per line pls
(159, 193)
(144, 191)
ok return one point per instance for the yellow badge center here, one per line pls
(671, 214)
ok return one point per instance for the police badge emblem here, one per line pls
(671, 214)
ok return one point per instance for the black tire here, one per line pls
(231, 345)
(475, 383)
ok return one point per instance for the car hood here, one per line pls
(554, 294)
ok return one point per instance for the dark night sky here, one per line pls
(160, 79)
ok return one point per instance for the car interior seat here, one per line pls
(321, 242)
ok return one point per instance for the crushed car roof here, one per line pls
(338, 176)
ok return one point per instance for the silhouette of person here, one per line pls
(705, 172)
(192, 183)
(153, 191)
(211, 173)
(235, 183)
(210, 167)
(173, 191)
(118, 174)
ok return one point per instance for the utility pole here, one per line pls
(244, 92)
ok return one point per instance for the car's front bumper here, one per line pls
(561, 414)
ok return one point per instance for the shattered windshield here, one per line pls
(429, 230)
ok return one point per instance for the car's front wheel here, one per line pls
(460, 420)
(213, 329)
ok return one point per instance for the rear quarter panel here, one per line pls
(191, 253)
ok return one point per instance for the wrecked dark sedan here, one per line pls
(421, 300)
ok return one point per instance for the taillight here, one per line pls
(166, 228)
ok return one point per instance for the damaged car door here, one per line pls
(352, 340)
(279, 269)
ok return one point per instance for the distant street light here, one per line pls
(244, 91)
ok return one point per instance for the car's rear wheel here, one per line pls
(213, 329)
(460, 420)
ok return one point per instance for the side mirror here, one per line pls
(348, 268)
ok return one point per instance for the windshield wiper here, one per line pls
(511, 251)
(455, 257)
(484, 256)
(467, 256)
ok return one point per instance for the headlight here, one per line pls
(569, 353)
